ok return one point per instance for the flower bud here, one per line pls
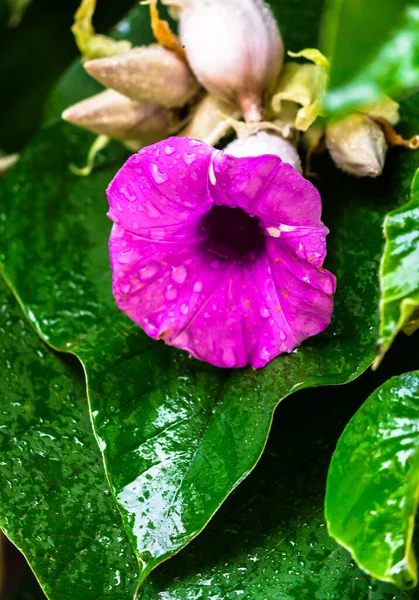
(357, 145)
(7, 161)
(147, 74)
(112, 114)
(265, 143)
(234, 48)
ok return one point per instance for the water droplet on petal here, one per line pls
(265, 354)
(125, 288)
(198, 287)
(282, 336)
(148, 272)
(169, 150)
(158, 176)
(264, 312)
(171, 293)
(184, 309)
(229, 358)
(179, 274)
(189, 158)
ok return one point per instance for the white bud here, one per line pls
(114, 115)
(7, 161)
(234, 48)
(265, 143)
(147, 74)
(357, 145)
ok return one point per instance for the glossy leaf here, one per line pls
(269, 540)
(373, 482)
(374, 50)
(177, 436)
(399, 273)
(55, 503)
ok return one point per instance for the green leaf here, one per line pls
(177, 436)
(55, 502)
(399, 272)
(373, 482)
(269, 540)
(17, 9)
(374, 50)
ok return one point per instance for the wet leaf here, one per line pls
(373, 48)
(55, 503)
(399, 273)
(372, 487)
(269, 540)
(177, 436)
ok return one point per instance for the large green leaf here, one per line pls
(177, 436)
(373, 483)
(399, 273)
(374, 49)
(269, 540)
(55, 502)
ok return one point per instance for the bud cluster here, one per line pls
(227, 64)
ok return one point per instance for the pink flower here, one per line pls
(218, 255)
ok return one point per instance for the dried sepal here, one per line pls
(305, 85)
(91, 44)
(208, 120)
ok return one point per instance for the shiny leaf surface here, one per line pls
(373, 481)
(374, 50)
(55, 503)
(399, 273)
(269, 540)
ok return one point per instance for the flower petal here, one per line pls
(288, 205)
(161, 192)
(228, 312)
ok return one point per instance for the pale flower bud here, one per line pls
(234, 48)
(357, 145)
(112, 114)
(147, 74)
(265, 143)
(7, 161)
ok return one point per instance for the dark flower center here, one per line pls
(232, 233)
